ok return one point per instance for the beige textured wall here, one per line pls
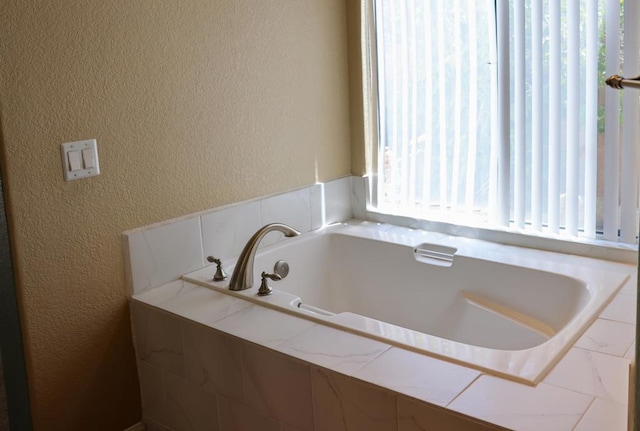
(194, 105)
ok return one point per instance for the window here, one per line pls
(494, 112)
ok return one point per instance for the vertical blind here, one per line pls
(494, 111)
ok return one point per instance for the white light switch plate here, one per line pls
(80, 159)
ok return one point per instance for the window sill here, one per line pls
(594, 248)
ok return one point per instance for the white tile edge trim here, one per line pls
(128, 270)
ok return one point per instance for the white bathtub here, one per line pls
(507, 311)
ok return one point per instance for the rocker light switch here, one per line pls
(87, 158)
(74, 160)
(80, 159)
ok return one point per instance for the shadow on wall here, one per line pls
(4, 418)
(13, 375)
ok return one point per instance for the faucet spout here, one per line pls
(242, 277)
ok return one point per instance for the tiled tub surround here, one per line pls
(162, 252)
(341, 380)
(494, 308)
(211, 361)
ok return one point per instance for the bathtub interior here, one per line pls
(473, 301)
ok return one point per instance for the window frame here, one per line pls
(597, 247)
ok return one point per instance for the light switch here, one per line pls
(80, 159)
(87, 158)
(74, 160)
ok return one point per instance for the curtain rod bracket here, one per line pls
(618, 82)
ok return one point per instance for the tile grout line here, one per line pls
(463, 390)
(615, 320)
(202, 256)
(602, 353)
(372, 359)
(584, 414)
(605, 353)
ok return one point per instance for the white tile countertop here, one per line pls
(587, 390)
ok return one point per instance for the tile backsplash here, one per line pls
(158, 254)
(162, 252)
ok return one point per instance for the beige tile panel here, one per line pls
(418, 416)
(522, 407)
(341, 403)
(621, 309)
(189, 407)
(193, 302)
(592, 373)
(608, 336)
(604, 416)
(157, 338)
(420, 376)
(163, 253)
(225, 232)
(277, 386)
(338, 350)
(238, 417)
(151, 425)
(154, 403)
(213, 360)
(262, 325)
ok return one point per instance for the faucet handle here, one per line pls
(265, 289)
(281, 268)
(220, 274)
